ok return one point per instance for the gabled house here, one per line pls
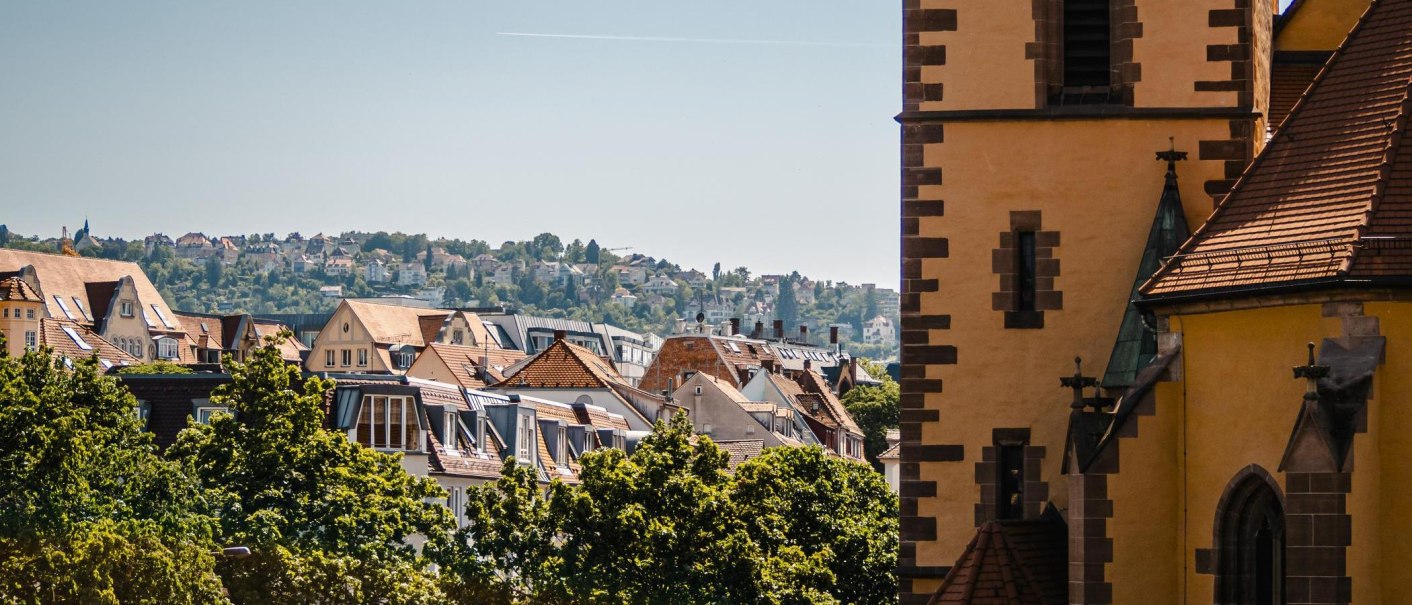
(568, 372)
(469, 367)
(375, 272)
(693, 278)
(24, 327)
(720, 411)
(735, 359)
(660, 284)
(235, 335)
(820, 411)
(113, 299)
(194, 246)
(366, 337)
(412, 274)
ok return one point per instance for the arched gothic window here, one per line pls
(1250, 541)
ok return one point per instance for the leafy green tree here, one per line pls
(574, 252)
(89, 513)
(787, 306)
(593, 253)
(214, 271)
(159, 366)
(547, 246)
(840, 512)
(506, 552)
(876, 409)
(327, 519)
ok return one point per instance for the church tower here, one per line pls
(1029, 191)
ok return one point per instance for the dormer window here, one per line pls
(448, 438)
(525, 438)
(389, 423)
(167, 348)
(561, 454)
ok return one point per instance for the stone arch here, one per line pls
(1250, 540)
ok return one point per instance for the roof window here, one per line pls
(78, 340)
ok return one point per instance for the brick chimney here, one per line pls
(560, 335)
(735, 326)
(759, 329)
(803, 333)
(833, 335)
(779, 329)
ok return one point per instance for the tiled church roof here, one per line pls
(1330, 198)
(1010, 563)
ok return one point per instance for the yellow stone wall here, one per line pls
(1320, 24)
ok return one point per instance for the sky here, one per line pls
(746, 132)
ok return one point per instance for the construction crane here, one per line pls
(617, 249)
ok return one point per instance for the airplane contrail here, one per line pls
(693, 40)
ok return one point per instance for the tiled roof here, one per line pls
(464, 362)
(54, 333)
(1010, 563)
(1330, 198)
(892, 453)
(742, 451)
(15, 289)
(564, 365)
(395, 324)
(1290, 75)
(814, 383)
(206, 330)
(69, 277)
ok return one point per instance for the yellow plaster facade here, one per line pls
(1319, 25)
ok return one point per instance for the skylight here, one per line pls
(78, 340)
(147, 319)
(79, 304)
(163, 316)
(64, 307)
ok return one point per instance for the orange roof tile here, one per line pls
(1330, 198)
(464, 362)
(564, 365)
(55, 334)
(1010, 563)
(15, 289)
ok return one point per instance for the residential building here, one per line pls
(235, 335)
(375, 272)
(1182, 461)
(114, 299)
(629, 275)
(302, 264)
(631, 352)
(660, 284)
(623, 297)
(821, 417)
(879, 330)
(693, 278)
(331, 291)
(567, 372)
(364, 337)
(719, 410)
(194, 246)
(155, 241)
(467, 366)
(891, 460)
(24, 326)
(734, 359)
(412, 274)
(338, 266)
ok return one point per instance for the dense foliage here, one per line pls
(876, 409)
(669, 524)
(89, 513)
(327, 519)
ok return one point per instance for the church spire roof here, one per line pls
(1137, 341)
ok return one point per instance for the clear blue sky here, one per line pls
(254, 116)
(749, 132)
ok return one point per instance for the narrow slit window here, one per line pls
(1025, 271)
(1010, 501)
(1087, 43)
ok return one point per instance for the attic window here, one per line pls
(1087, 44)
(125, 308)
(203, 328)
(78, 340)
(64, 307)
(79, 305)
(163, 316)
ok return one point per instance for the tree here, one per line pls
(89, 513)
(574, 252)
(592, 253)
(870, 304)
(4, 236)
(158, 366)
(546, 246)
(787, 306)
(429, 260)
(326, 518)
(840, 512)
(506, 553)
(876, 409)
(214, 271)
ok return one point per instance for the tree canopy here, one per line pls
(89, 513)
(328, 520)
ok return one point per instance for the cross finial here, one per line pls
(1311, 372)
(1172, 156)
(1078, 382)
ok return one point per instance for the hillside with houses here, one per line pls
(299, 274)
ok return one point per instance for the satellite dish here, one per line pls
(700, 317)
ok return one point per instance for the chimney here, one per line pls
(768, 365)
(759, 330)
(779, 329)
(807, 365)
(735, 326)
(560, 335)
(803, 333)
(671, 390)
(833, 335)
